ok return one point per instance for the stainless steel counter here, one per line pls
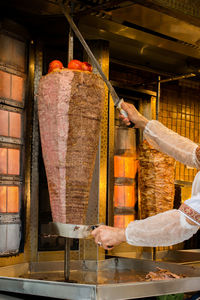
(115, 278)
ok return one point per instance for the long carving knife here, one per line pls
(116, 99)
(73, 231)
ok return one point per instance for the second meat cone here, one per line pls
(70, 107)
(156, 181)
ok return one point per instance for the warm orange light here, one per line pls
(122, 221)
(5, 84)
(17, 88)
(9, 199)
(13, 199)
(4, 122)
(125, 166)
(13, 161)
(15, 125)
(118, 166)
(124, 196)
(3, 161)
(2, 199)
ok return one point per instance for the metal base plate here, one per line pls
(115, 278)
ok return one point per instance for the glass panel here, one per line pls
(2, 199)
(15, 125)
(4, 84)
(13, 161)
(13, 199)
(119, 196)
(3, 235)
(3, 161)
(18, 57)
(124, 196)
(13, 238)
(118, 166)
(17, 88)
(130, 166)
(125, 166)
(125, 140)
(122, 221)
(130, 196)
(4, 122)
(12, 51)
(6, 48)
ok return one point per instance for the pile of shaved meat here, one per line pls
(162, 274)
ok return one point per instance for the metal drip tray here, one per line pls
(115, 278)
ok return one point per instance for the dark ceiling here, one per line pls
(154, 35)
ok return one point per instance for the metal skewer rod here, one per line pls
(67, 259)
(68, 240)
(158, 98)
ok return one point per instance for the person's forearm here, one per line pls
(142, 123)
(163, 229)
(133, 115)
(171, 143)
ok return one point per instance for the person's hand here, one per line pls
(133, 116)
(108, 237)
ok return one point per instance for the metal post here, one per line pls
(67, 259)
(158, 98)
(157, 115)
(70, 45)
(71, 36)
(68, 240)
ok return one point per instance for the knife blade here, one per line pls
(72, 230)
(117, 101)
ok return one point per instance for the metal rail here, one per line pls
(174, 78)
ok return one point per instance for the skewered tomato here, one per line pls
(75, 64)
(86, 66)
(55, 64)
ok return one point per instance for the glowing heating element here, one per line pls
(13, 58)
(125, 169)
(9, 199)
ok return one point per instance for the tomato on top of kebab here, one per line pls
(74, 64)
(55, 65)
(78, 65)
(86, 66)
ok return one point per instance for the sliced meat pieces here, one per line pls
(162, 274)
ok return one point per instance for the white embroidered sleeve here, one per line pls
(163, 229)
(191, 209)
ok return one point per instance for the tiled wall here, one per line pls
(180, 111)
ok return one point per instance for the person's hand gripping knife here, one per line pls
(170, 227)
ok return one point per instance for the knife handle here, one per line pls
(131, 125)
(124, 113)
(97, 225)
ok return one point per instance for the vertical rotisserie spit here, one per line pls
(70, 107)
